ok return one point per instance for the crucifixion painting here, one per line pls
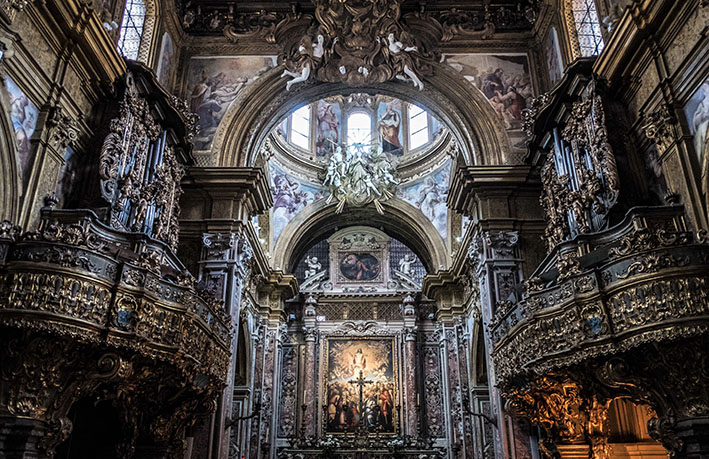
(360, 385)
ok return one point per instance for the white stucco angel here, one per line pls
(310, 55)
(402, 60)
(405, 264)
(314, 267)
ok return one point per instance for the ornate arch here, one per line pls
(400, 220)
(457, 103)
(11, 182)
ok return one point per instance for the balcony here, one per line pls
(86, 310)
(621, 313)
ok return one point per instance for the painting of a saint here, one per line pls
(697, 113)
(389, 126)
(504, 79)
(360, 385)
(213, 84)
(329, 116)
(166, 60)
(360, 267)
(23, 113)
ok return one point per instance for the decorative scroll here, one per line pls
(580, 177)
(139, 172)
(356, 43)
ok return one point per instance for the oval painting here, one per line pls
(360, 266)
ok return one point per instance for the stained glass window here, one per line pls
(132, 29)
(588, 29)
(300, 127)
(418, 126)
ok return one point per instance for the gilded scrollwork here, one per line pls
(140, 174)
(355, 43)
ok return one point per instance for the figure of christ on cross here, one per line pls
(361, 382)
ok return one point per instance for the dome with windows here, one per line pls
(401, 129)
(360, 149)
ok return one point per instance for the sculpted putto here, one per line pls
(360, 178)
(356, 42)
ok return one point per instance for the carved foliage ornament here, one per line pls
(357, 43)
(140, 175)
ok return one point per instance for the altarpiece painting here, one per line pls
(360, 385)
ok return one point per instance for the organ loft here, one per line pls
(354, 229)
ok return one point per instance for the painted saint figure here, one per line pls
(389, 126)
(700, 122)
(328, 129)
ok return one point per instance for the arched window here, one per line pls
(132, 29)
(359, 129)
(418, 127)
(586, 26)
(300, 127)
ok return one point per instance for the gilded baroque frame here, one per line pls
(359, 331)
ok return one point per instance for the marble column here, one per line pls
(411, 403)
(309, 384)
(496, 261)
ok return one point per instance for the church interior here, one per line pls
(354, 229)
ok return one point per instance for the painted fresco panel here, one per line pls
(329, 128)
(23, 114)
(290, 196)
(552, 51)
(212, 85)
(389, 116)
(348, 360)
(697, 112)
(429, 195)
(166, 62)
(505, 80)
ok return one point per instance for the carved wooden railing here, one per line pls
(595, 318)
(644, 280)
(125, 318)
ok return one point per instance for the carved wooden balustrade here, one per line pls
(96, 307)
(622, 313)
(88, 310)
(619, 308)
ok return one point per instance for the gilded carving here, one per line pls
(660, 127)
(355, 43)
(140, 175)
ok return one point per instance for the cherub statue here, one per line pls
(314, 267)
(405, 264)
(370, 186)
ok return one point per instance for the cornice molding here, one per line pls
(470, 182)
(246, 187)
